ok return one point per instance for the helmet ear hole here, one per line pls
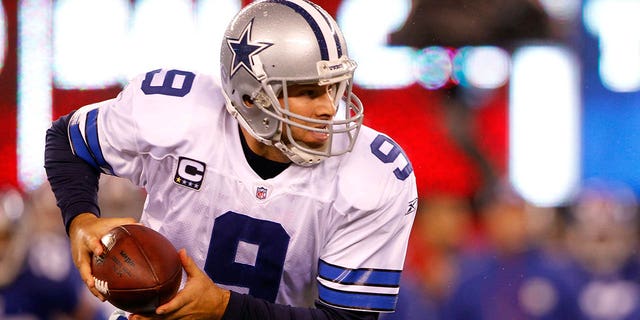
(246, 99)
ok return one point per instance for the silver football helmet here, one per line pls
(273, 44)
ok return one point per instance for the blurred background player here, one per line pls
(602, 238)
(37, 277)
(513, 275)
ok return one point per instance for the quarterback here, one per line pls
(285, 204)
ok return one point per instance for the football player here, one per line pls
(602, 241)
(288, 207)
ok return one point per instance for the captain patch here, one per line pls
(190, 173)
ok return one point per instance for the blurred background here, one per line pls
(519, 117)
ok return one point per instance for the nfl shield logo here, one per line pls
(261, 193)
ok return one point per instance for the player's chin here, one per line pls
(316, 143)
(316, 139)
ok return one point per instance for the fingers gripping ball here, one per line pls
(139, 269)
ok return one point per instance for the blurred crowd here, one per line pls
(500, 257)
(37, 277)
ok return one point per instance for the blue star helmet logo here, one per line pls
(244, 51)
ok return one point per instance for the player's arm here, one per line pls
(75, 185)
(73, 181)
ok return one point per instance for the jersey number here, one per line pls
(390, 155)
(169, 86)
(249, 253)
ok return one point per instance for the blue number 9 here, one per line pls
(391, 155)
(261, 276)
(167, 87)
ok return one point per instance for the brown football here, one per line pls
(139, 269)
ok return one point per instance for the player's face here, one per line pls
(315, 102)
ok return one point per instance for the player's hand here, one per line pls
(85, 232)
(199, 299)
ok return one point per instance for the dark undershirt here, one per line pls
(75, 184)
(264, 167)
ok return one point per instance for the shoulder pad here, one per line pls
(375, 172)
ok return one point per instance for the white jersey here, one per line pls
(336, 231)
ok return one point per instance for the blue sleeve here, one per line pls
(73, 181)
(246, 307)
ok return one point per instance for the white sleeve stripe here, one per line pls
(357, 300)
(362, 276)
(359, 288)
